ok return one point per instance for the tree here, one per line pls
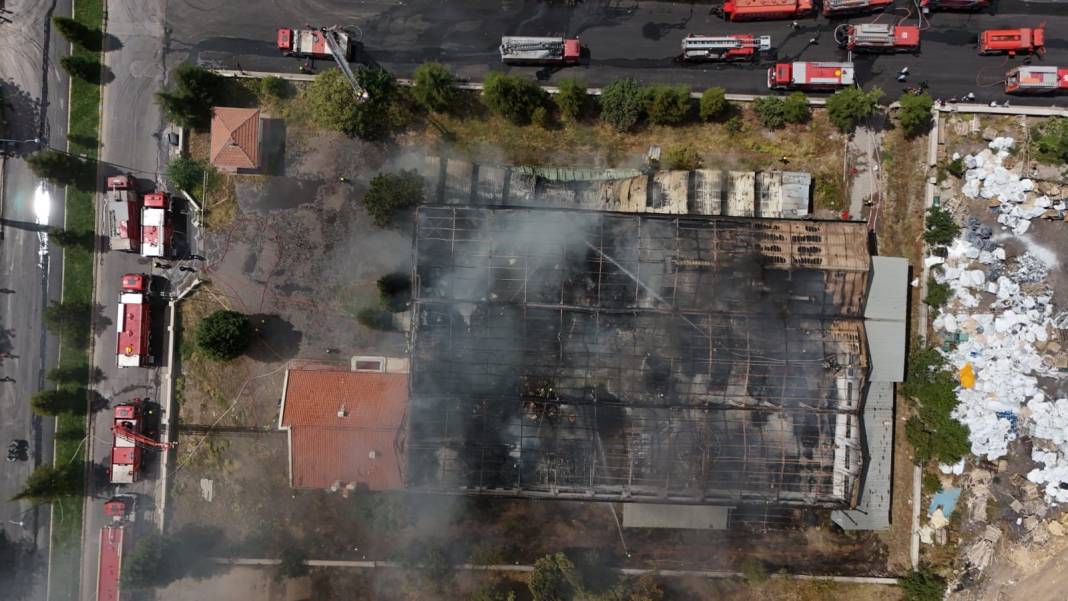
(941, 228)
(923, 585)
(771, 110)
(375, 318)
(932, 431)
(78, 34)
(53, 402)
(224, 334)
(146, 566)
(395, 291)
(795, 108)
(188, 102)
(82, 68)
(49, 483)
(63, 169)
(186, 173)
(275, 87)
(553, 579)
(69, 320)
(937, 294)
(1049, 141)
(938, 437)
(667, 105)
(682, 157)
(915, 113)
(156, 561)
(332, 104)
(714, 105)
(848, 106)
(512, 96)
(622, 104)
(390, 193)
(433, 89)
(571, 99)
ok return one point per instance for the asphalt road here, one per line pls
(625, 39)
(131, 141)
(35, 98)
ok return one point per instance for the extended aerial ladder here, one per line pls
(121, 431)
(330, 34)
(726, 47)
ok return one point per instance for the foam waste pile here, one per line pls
(1003, 347)
(986, 177)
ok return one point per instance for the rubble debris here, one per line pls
(1055, 528)
(987, 178)
(978, 486)
(980, 552)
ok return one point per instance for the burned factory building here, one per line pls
(644, 358)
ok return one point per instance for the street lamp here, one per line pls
(34, 140)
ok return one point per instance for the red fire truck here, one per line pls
(123, 212)
(133, 322)
(874, 37)
(759, 10)
(841, 8)
(128, 441)
(931, 5)
(156, 228)
(810, 76)
(527, 50)
(112, 544)
(741, 47)
(1036, 80)
(312, 43)
(1026, 40)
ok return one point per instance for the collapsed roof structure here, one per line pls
(772, 194)
(637, 357)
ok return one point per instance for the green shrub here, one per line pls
(771, 110)
(734, 125)
(1049, 141)
(753, 570)
(186, 173)
(915, 113)
(390, 193)
(572, 100)
(923, 585)
(275, 88)
(224, 334)
(795, 108)
(931, 483)
(395, 291)
(542, 117)
(432, 87)
(714, 105)
(512, 97)
(956, 167)
(941, 229)
(937, 294)
(667, 105)
(849, 106)
(554, 579)
(682, 157)
(622, 104)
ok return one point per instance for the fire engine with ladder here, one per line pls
(742, 47)
(133, 322)
(808, 76)
(842, 8)
(325, 42)
(525, 50)
(875, 37)
(1030, 80)
(128, 442)
(1025, 40)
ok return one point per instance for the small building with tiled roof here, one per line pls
(345, 428)
(235, 139)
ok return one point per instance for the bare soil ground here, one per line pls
(238, 583)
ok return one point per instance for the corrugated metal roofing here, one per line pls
(873, 509)
(884, 315)
(679, 517)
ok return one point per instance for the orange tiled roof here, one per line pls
(235, 137)
(362, 445)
